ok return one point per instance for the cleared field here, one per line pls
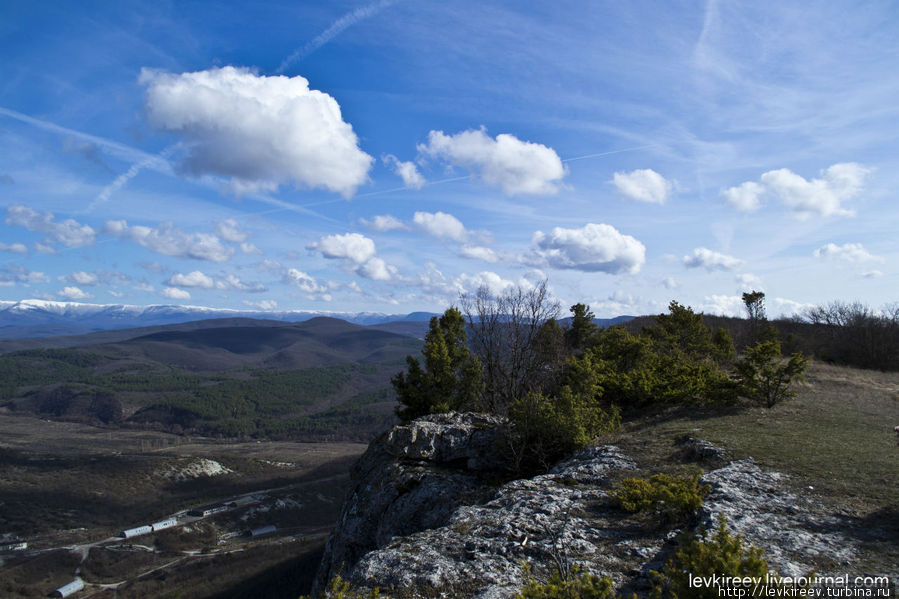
(66, 486)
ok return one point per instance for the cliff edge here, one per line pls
(425, 517)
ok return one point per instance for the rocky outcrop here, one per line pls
(480, 551)
(793, 530)
(411, 479)
(423, 518)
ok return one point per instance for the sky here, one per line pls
(389, 156)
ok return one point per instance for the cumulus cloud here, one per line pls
(732, 305)
(15, 248)
(195, 279)
(232, 282)
(16, 273)
(592, 248)
(407, 171)
(383, 223)
(69, 232)
(515, 166)
(723, 305)
(229, 230)
(849, 252)
(441, 225)
(73, 293)
(823, 196)
(175, 293)
(377, 270)
(260, 131)
(709, 260)
(493, 282)
(643, 185)
(266, 305)
(750, 281)
(476, 252)
(249, 248)
(744, 197)
(168, 240)
(306, 283)
(354, 247)
(669, 283)
(83, 278)
(871, 274)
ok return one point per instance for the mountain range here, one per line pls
(44, 318)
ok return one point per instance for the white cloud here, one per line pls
(643, 185)
(871, 274)
(42, 248)
(269, 265)
(69, 232)
(15, 273)
(669, 283)
(723, 305)
(195, 279)
(744, 197)
(306, 284)
(232, 282)
(354, 247)
(260, 131)
(709, 260)
(266, 305)
(378, 270)
(73, 293)
(249, 248)
(383, 223)
(494, 283)
(407, 171)
(16, 248)
(732, 305)
(850, 252)
(441, 225)
(750, 282)
(229, 230)
(83, 278)
(823, 196)
(175, 293)
(592, 248)
(170, 241)
(515, 166)
(479, 253)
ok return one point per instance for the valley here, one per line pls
(120, 429)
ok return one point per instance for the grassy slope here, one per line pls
(835, 440)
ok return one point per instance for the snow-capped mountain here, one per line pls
(42, 318)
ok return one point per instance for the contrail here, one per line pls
(608, 153)
(336, 28)
(120, 150)
(120, 181)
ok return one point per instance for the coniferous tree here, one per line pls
(582, 327)
(451, 378)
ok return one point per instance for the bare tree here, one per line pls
(506, 335)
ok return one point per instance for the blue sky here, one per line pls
(388, 156)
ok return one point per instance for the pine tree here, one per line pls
(451, 378)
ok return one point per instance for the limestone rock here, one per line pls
(410, 479)
(423, 518)
(792, 530)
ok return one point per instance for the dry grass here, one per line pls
(835, 440)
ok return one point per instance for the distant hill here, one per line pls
(40, 318)
(321, 378)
